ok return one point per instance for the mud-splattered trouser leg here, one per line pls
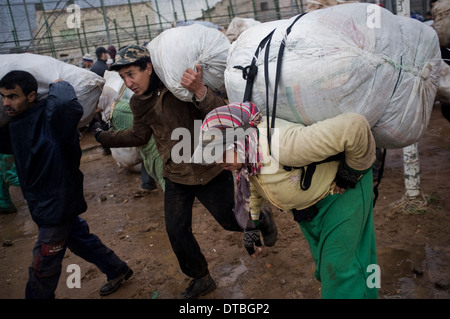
(218, 197)
(342, 242)
(48, 253)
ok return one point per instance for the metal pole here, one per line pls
(49, 31)
(184, 11)
(106, 21)
(231, 8)
(410, 153)
(174, 12)
(117, 33)
(14, 32)
(277, 7)
(148, 28)
(29, 24)
(209, 11)
(296, 5)
(132, 20)
(159, 15)
(85, 38)
(81, 43)
(255, 12)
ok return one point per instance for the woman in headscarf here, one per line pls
(320, 173)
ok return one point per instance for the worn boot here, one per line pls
(114, 284)
(198, 287)
(267, 226)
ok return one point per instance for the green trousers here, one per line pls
(342, 242)
(8, 177)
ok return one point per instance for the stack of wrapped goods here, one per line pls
(353, 57)
(88, 85)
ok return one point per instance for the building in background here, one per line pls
(46, 26)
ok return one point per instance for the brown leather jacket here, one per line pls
(160, 113)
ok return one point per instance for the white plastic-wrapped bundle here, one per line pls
(128, 158)
(239, 25)
(347, 58)
(443, 93)
(176, 49)
(441, 23)
(87, 85)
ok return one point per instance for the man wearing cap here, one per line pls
(157, 112)
(100, 65)
(88, 61)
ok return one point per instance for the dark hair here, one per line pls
(25, 80)
(99, 51)
(142, 62)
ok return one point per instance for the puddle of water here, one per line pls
(413, 274)
(17, 226)
(229, 279)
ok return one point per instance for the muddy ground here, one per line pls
(413, 244)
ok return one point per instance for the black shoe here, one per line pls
(267, 226)
(199, 287)
(115, 283)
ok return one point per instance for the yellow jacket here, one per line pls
(297, 145)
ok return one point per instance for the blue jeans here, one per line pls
(147, 181)
(49, 250)
(218, 197)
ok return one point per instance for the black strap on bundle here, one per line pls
(308, 171)
(249, 73)
(277, 79)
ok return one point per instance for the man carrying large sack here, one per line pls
(157, 112)
(46, 147)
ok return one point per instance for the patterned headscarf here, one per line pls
(233, 116)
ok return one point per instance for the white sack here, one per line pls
(338, 60)
(239, 25)
(441, 21)
(88, 85)
(443, 93)
(176, 49)
(128, 158)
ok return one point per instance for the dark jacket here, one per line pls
(46, 147)
(99, 67)
(160, 113)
